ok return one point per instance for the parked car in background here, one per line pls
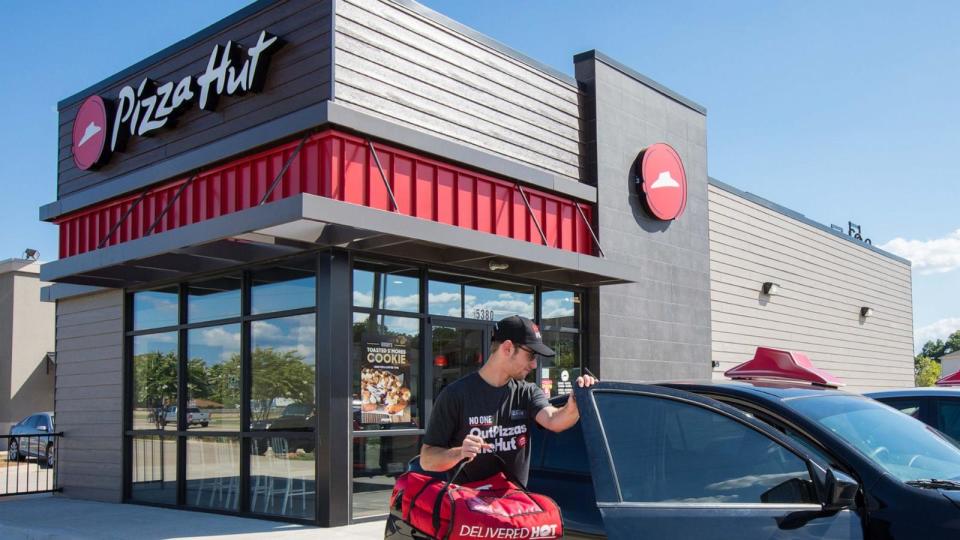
(935, 406)
(778, 453)
(296, 417)
(195, 417)
(32, 437)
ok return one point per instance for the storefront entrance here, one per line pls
(457, 348)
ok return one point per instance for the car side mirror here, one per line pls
(841, 490)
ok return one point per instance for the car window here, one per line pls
(948, 417)
(909, 407)
(32, 421)
(565, 451)
(903, 446)
(665, 450)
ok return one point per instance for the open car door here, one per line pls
(672, 464)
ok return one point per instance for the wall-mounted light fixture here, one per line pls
(770, 288)
(495, 265)
(866, 312)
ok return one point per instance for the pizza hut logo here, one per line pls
(103, 126)
(90, 134)
(663, 181)
(536, 330)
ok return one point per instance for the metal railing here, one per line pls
(29, 464)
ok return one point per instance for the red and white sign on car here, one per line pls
(90, 133)
(663, 181)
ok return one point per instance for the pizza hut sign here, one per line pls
(103, 126)
(662, 181)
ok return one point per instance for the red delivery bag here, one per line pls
(492, 508)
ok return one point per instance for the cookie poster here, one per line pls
(385, 380)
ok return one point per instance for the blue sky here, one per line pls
(838, 110)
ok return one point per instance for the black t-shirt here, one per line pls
(501, 416)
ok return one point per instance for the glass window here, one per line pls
(670, 451)
(284, 287)
(493, 304)
(283, 367)
(282, 475)
(386, 362)
(906, 406)
(213, 472)
(560, 309)
(154, 469)
(214, 299)
(905, 447)
(948, 417)
(395, 289)
(377, 461)
(559, 373)
(213, 378)
(156, 309)
(445, 299)
(155, 381)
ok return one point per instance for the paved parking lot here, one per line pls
(59, 518)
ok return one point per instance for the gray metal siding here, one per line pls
(89, 395)
(299, 76)
(402, 66)
(659, 326)
(824, 282)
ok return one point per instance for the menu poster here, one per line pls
(385, 380)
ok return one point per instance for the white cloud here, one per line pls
(403, 302)
(932, 332)
(443, 298)
(555, 307)
(219, 337)
(929, 256)
(362, 299)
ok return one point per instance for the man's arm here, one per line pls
(438, 458)
(563, 418)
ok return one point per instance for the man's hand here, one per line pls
(557, 420)
(584, 381)
(472, 445)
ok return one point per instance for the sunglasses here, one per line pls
(532, 352)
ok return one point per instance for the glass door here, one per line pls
(456, 349)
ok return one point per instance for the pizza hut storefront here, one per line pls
(283, 236)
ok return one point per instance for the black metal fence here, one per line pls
(29, 464)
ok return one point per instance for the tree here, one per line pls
(155, 382)
(938, 348)
(225, 382)
(279, 375)
(926, 370)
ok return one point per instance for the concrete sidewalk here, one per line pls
(49, 517)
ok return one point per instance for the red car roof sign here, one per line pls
(782, 365)
(950, 380)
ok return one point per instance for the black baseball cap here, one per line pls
(521, 331)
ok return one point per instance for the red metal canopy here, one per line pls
(782, 365)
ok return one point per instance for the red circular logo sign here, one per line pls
(90, 133)
(664, 182)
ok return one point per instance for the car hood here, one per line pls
(952, 495)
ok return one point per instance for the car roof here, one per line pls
(781, 389)
(923, 391)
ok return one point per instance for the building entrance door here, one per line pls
(456, 349)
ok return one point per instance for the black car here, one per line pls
(747, 459)
(935, 406)
(296, 417)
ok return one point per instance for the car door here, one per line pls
(672, 464)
